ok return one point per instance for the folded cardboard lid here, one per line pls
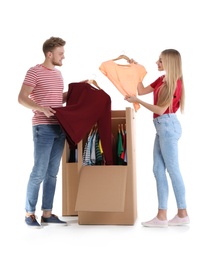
(102, 188)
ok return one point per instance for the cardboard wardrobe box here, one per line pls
(103, 194)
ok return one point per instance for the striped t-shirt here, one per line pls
(48, 91)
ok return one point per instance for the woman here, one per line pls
(168, 98)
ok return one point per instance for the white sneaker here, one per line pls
(155, 222)
(177, 221)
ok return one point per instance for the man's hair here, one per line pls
(51, 43)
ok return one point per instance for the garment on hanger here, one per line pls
(86, 106)
(98, 151)
(121, 146)
(87, 150)
(123, 135)
(124, 77)
(92, 154)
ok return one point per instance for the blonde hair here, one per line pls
(172, 64)
(51, 43)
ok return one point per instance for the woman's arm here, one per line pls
(141, 90)
(153, 108)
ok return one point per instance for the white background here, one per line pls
(96, 31)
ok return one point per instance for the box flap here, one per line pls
(102, 188)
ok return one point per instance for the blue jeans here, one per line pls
(165, 155)
(48, 147)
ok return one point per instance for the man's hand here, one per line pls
(48, 111)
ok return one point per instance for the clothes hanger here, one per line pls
(93, 81)
(122, 57)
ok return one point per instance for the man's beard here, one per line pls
(56, 63)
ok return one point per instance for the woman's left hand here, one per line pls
(131, 99)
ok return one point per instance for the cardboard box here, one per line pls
(101, 188)
(105, 194)
(70, 181)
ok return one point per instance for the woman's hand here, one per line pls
(131, 99)
(132, 61)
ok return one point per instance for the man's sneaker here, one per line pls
(53, 219)
(177, 221)
(32, 222)
(155, 222)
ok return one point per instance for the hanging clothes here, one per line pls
(124, 77)
(93, 149)
(92, 154)
(98, 150)
(87, 150)
(86, 106)
(121, 146)
(123, 142)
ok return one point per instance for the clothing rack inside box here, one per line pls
(102, 194)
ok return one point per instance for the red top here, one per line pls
(176, 99)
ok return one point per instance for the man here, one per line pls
(41, 91)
